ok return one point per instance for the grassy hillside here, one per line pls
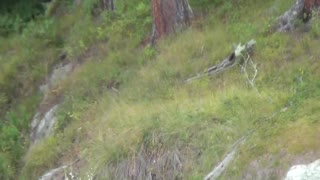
(126, 104)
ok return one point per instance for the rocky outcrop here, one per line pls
(300, 172)
(42, 125)
(59, 74)
(43, 121)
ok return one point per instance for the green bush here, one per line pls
(11, 151)
(41, 157)
(204, 3)
(14, 133)
(15, 14)
(10, 24)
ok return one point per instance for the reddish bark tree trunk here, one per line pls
(169, 16)
(308, 6)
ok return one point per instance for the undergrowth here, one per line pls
(125, 100)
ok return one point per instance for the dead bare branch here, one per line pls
(236, 57)
(218, 170)
(245, 71)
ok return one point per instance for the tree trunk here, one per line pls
(301, 10)
(103, 5)
(169, 16)
(107, 4)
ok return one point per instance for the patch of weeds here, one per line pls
(14, 130)
(149, 52)
(306, 91)
(41, 157)
(306, 43)
(81, 36)
(315, 27)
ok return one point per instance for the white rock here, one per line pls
(43, 127)
(52, 173)
(304, 172)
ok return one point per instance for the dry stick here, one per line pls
(224, 65)
(244, 69)
(218, 170)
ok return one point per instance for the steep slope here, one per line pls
(127, 112)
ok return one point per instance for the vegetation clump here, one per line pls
(126, 104)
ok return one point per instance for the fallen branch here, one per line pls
(222, 166)
(236, 57)
(218, 170)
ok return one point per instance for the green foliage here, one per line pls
(127, 21)
(44, 30)
(37, 48)
(12, 144)
(6, 169)
(315, 27)
(3, 100)
(41, 157)
(114, 27)
(19, 72)
(149, 52)
(205, 3)
(23, 8)
(9, 24)
(15, 14)
(306, 91)
(81, 36)
(122, 96)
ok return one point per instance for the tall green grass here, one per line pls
(123, 98)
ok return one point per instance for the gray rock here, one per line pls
(304, 172)
(59, 74)
(52, 174)
(42, 127)
(43, 122)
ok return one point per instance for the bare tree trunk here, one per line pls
(302, 10)
(107, 4)
(169, 16)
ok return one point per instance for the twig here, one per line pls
(254, 67)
